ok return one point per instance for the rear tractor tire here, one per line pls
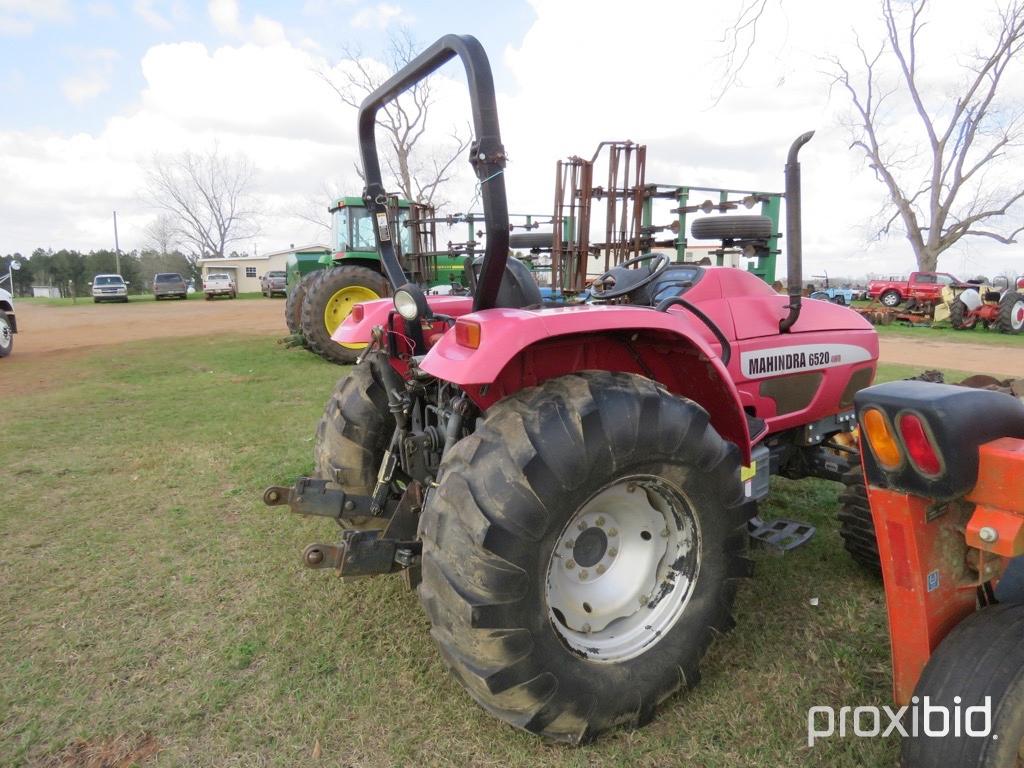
(329, 299)
(354, 432)
(293, 303)
(1011, 313)
(581, 551)
(856, 526)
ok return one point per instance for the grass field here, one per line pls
(152, 605)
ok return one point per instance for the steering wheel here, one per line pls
(620, 280)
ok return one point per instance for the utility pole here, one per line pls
(117, 247)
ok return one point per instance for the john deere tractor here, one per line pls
(321, 293)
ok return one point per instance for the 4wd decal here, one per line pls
(762, 363)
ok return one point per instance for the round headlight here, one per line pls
(405, 304)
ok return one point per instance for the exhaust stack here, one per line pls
(794, 246)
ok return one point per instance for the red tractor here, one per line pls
(571, 487)
(945, 476)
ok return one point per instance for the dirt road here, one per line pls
(55, 330)
(46, 330)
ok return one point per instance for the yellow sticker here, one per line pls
(746, 473)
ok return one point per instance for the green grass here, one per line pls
(141, 298)
(149, 598)
(977, 336)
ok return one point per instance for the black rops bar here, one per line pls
(794, 235)
(487, 156)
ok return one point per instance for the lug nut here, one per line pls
(582, 526)
(600, 569)
(988, 534)
(584, 574)
(570, 564)
(586, 629)
(569, 543)
(613, 532)
(664, 533)
(599, 522)
(613, 552)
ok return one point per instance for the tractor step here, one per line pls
(780, 535)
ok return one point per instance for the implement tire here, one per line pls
(980, 661)
(564, 491)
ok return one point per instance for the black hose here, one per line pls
(664, 304)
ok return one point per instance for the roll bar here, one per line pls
(486, 155)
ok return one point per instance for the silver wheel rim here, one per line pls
(5, 334)
(623, 569)
(1017, 315)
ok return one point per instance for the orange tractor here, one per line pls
(944, 469)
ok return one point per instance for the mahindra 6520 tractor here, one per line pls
(571, 488)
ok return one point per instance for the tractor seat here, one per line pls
(518, 288)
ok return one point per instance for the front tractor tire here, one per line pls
(856, 526)
(581, 552)
(960, 316)
(329, 299)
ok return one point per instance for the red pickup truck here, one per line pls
(925, 287)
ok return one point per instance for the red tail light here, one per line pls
(357, 313)
(920, 447)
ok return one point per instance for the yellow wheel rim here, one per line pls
(341, 303)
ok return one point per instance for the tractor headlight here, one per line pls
(410, 303)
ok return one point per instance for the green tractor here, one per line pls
(322, 291)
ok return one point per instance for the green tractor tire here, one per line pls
(328, 301)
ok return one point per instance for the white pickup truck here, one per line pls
(219, 284)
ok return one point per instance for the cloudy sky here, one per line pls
(90, 91)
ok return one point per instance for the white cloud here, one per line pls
(225, 17)
(148, 12)
(227, 20)
(18, 17)
(380, 16)
(79, 89)
(265, 102)
(102, 10)
(12, 27)
(94, 69)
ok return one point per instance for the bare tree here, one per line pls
(208, 197)
(313, 208)
(738, 41)
(162, 234)
(404, 121)
(951, 193)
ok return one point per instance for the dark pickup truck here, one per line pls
(274, 282)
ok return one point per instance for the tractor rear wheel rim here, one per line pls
(340, 304)
(623, 569)
(5, 335)
(1017, 315)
